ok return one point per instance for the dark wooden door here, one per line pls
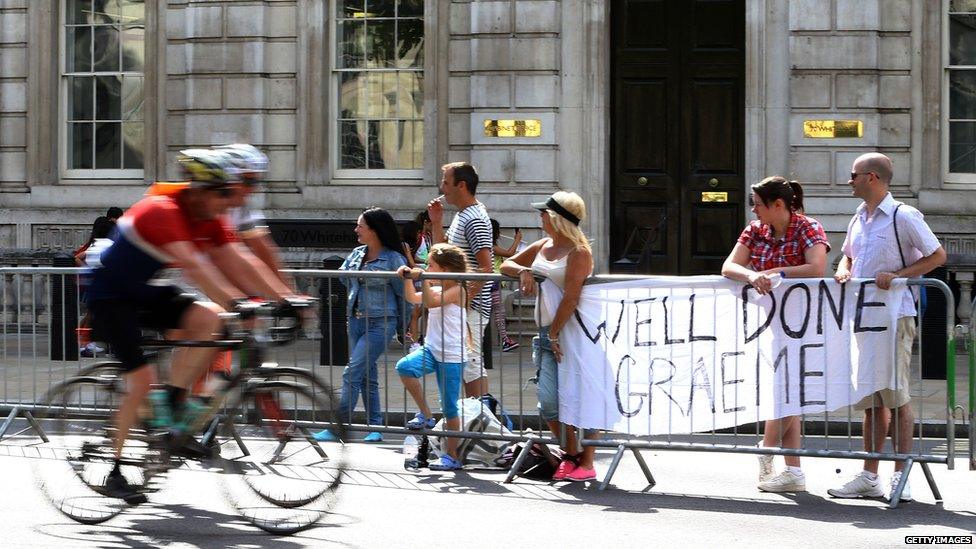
(677, 131)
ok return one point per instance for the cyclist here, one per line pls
(185, 230)
(251, 165)
(252, 229)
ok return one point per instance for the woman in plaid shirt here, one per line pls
(782, 242)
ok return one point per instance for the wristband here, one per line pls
(782, 274)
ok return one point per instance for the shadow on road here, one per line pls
(803, 506)
(152, 526)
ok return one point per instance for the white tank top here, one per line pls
(447, 335)
(554, 271)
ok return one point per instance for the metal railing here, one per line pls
(972, 388)
(36, 354)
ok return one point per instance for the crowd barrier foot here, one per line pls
(517, 464)
(931, 480)
(307, 436)
(621, 449)
(896, 493)
(647, 471)
(229, 429)
(14, 413)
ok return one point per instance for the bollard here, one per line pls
(334, 348)
(64, 311)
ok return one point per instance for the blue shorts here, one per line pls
(422, 362)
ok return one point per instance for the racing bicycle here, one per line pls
(282, 480)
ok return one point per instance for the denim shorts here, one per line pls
(422, 362)
(547, 374)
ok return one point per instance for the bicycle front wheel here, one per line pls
(294, 477)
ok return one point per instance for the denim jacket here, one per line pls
(375, 297)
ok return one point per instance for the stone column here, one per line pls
(964, 308)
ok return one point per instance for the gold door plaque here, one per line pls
(833, 129)
(715, 196)
(513, 128)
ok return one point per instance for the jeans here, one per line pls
(367, 341)
(547, 374)
(422, 362)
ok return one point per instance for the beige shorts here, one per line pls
(474, 368)
(891, 398)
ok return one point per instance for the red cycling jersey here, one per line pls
(137, 252)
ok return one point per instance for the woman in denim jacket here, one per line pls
(373, 307)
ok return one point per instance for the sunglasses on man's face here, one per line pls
(854, 175)
(224, 192)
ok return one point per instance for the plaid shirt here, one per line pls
(766, 252)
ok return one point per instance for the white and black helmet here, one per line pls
(248, 158)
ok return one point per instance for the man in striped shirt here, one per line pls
(470, 230)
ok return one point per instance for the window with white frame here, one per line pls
(378, 81)
(960, 90)
(102, 56)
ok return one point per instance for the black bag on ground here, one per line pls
(540, 464)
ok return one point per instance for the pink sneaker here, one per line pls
(566, 466)
(581, 474)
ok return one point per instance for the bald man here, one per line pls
(886, 240)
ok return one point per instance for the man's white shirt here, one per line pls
(873, 248)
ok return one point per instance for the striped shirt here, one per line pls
(470, 230)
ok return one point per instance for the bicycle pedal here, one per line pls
(185, 446)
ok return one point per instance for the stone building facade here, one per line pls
(271, 73)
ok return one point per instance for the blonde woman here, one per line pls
(564, 258)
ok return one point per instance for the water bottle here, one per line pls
(162, 415)
(410, 447)
(192, 409)
(775, 279)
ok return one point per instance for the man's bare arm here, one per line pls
(203, 274)
(247, 272)
(267, 251)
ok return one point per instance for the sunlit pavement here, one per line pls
(699, 499)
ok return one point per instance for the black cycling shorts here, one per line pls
(119, 322)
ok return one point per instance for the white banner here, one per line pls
(692, 354)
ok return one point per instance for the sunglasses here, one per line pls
(855, 174)
(224, 192)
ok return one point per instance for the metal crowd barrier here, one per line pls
(625, 443)
(40, 310)
(972, 388)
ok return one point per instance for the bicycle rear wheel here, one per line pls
(289, 481)
(74, 464)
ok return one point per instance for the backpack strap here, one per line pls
(894, 223)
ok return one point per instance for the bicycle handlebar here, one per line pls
(277, 335)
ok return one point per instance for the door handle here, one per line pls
(642, 181)
(713, 182)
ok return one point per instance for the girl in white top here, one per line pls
(565, 259)
(445, 344)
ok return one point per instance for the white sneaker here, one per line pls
(858, 487)
(906, 493)
(787, 481)
(766, 471)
